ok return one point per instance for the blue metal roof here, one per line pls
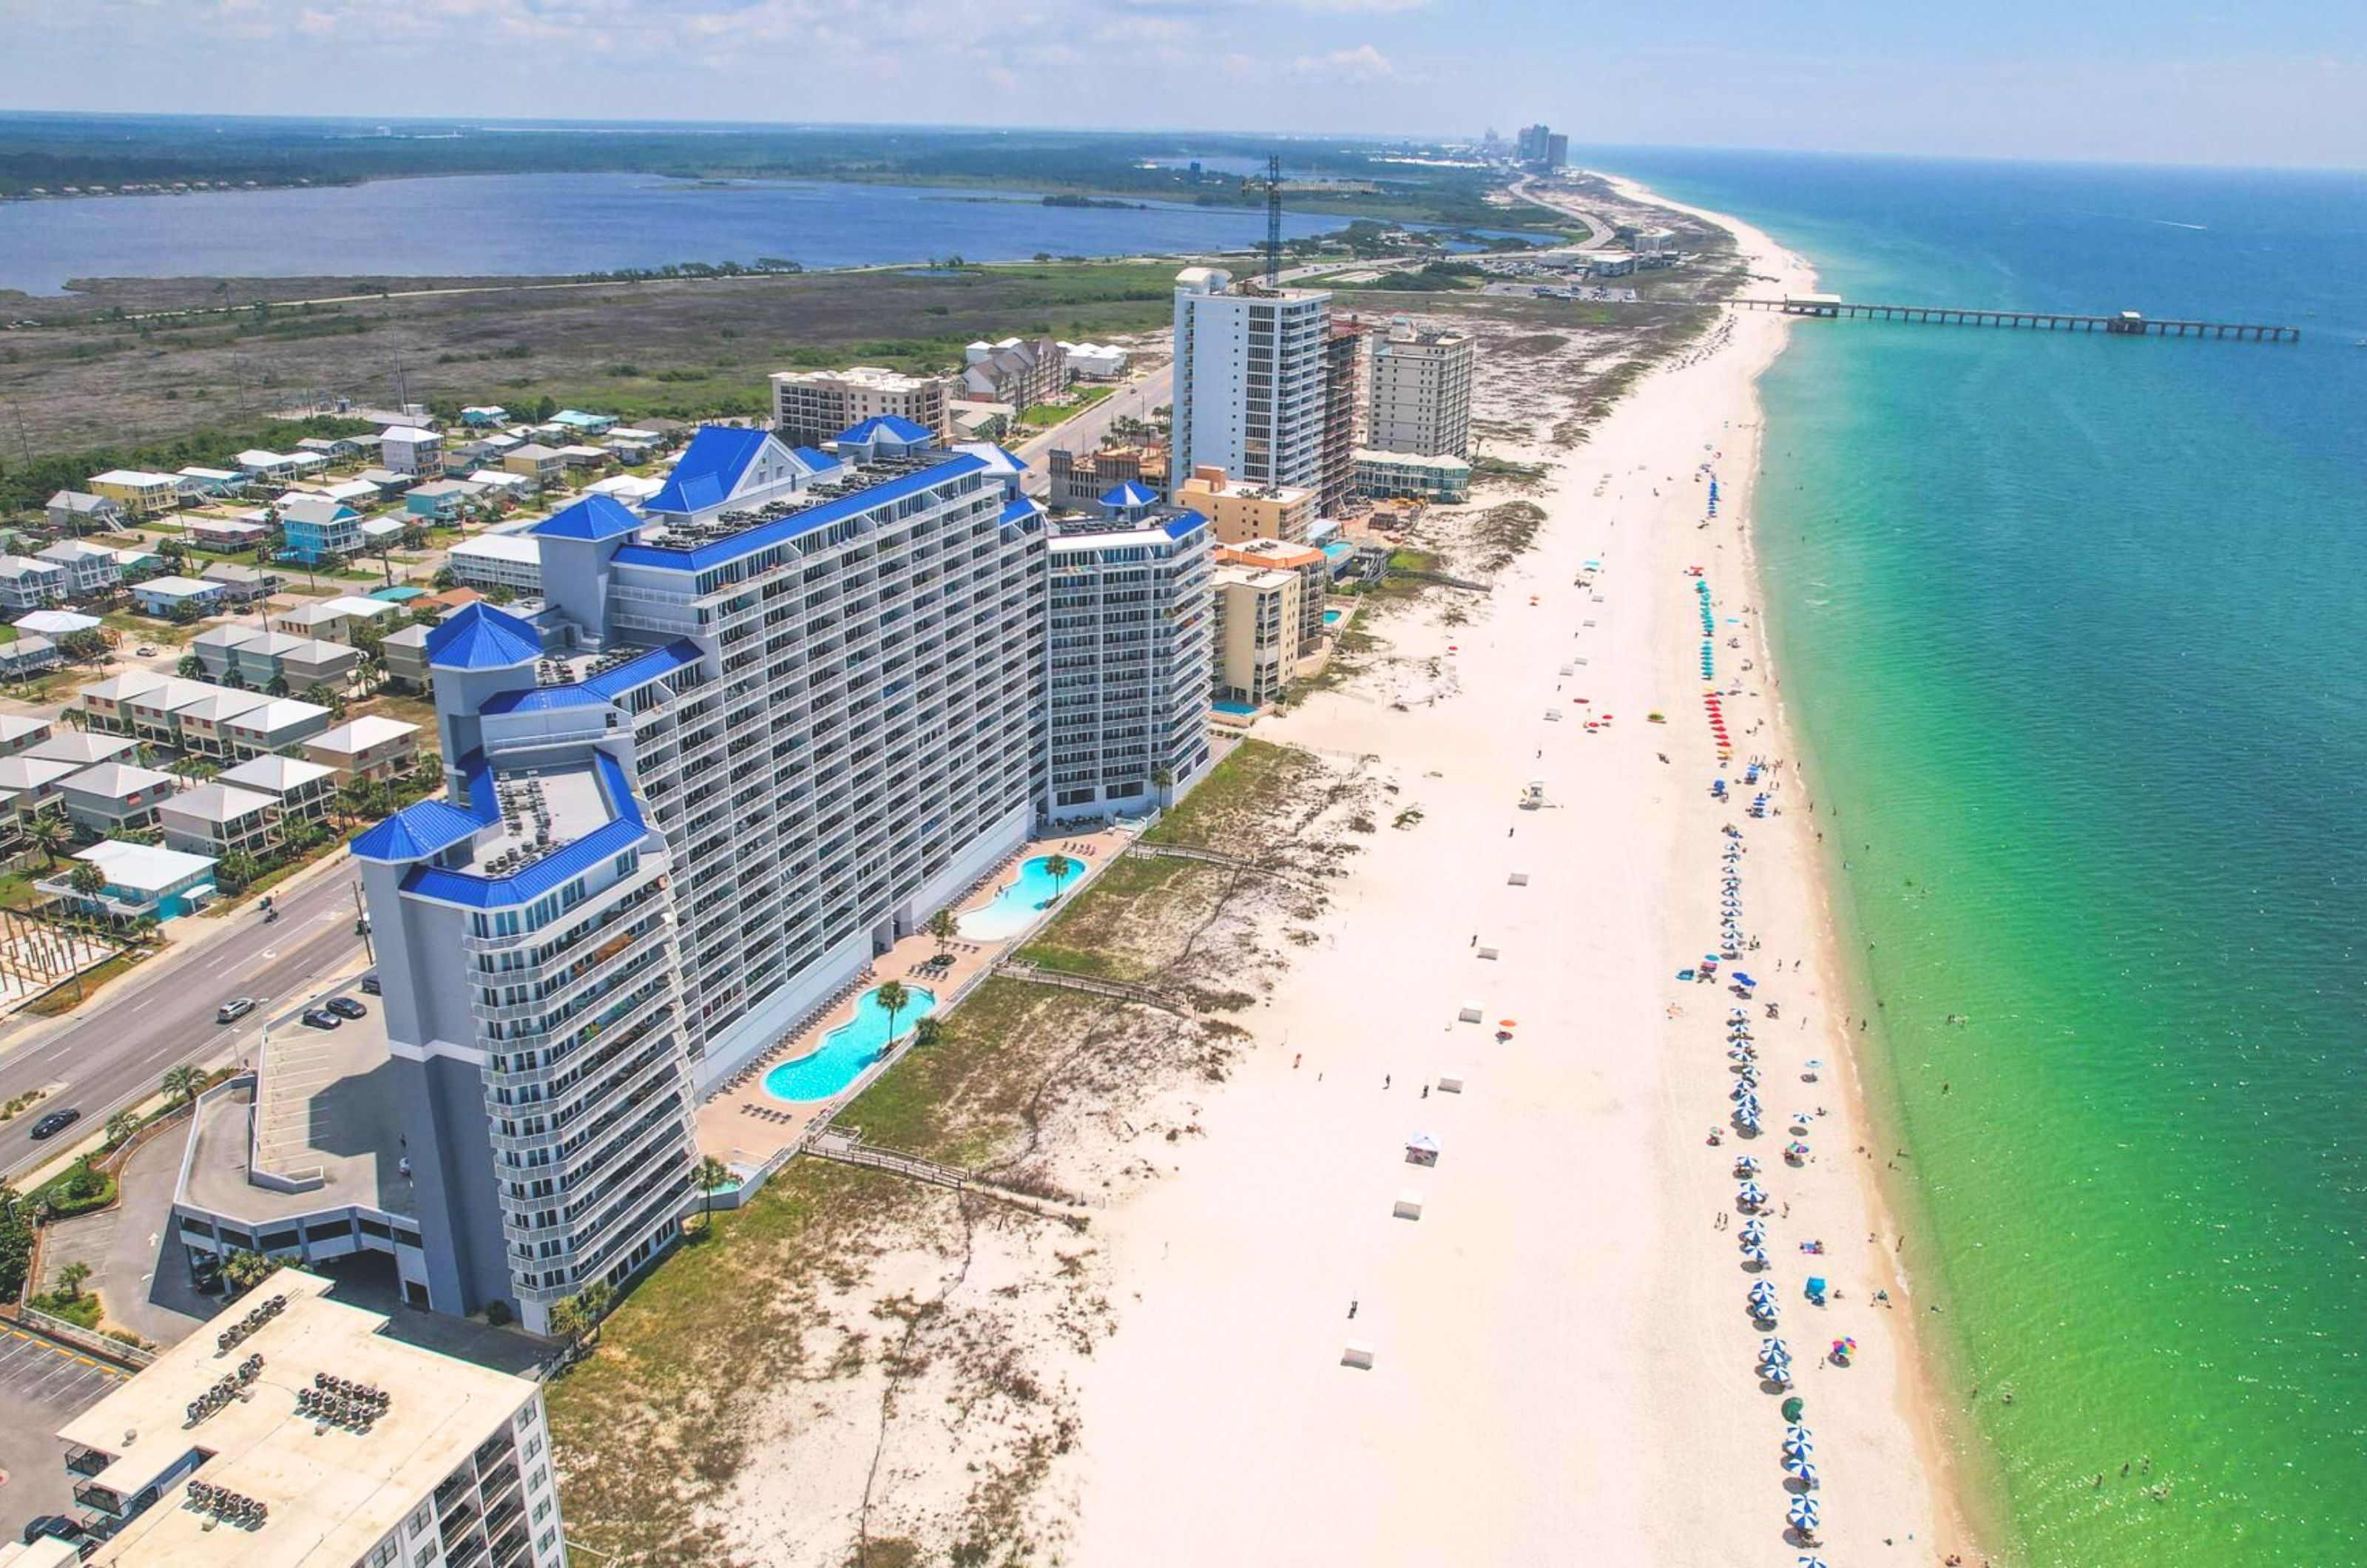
(885, 427)
(1129, 494)
(1019, 509)
(541, 699)
(709, 470)
(817, 459)
(764, 535)
(482, 638)
(610, 684)
(625, 831)
(1189, 522)
(415, 832)
(593, 517)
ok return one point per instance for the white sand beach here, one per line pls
(1563, 1370)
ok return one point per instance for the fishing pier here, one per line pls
(2128, 323)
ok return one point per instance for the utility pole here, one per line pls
(361, 921)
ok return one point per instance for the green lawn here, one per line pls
(82, 1309)
(964, 1100)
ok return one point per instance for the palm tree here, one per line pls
(183, 1083)
(1059, 868)
(70, 1278)
(88, 879)
(942, 926)
(710, 1173)
(1163, 780)
(49, 834)
(927, 1033)
(121, 1126)
(244, 1270)
(892, 998)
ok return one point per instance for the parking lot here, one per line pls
(43, 1386)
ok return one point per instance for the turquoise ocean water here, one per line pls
(2074, 628)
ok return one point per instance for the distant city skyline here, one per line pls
(2279, 83)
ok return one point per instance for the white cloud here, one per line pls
(1362, 63)
(1362, 7)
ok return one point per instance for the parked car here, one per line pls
(206, 1273)
(345, 1007)
(370, 986)
(56, 1121)
(58, 1525)
(322, 1018)
(233, 1009)
(146, 651)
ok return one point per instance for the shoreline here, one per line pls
(1949, 1445)
(1545, 1302)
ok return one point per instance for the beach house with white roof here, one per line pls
(257, 463)
(371, 746)
(140, 493)
(79, 511)
(304, 789)
(116, 797)
(498, 561)
(277, 724)
(90, 569)
(143, 881)
(407, 450)
(27, 584)
(165, 596)
(216, 819)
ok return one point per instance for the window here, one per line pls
(423, 1519)
(383, 1554)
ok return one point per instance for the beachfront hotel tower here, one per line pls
(1128, 647)
(1252, 370)
(757, 733)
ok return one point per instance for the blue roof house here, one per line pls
(313, 528)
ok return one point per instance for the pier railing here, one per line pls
(2128, 323)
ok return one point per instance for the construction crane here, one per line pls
(1273, 184)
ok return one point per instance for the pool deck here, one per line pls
(745, 1125)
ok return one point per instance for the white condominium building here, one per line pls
(293, 1432)
(810, 407)
(816, 717)
(1251, 372)
(1128, 648)
(1421, 401)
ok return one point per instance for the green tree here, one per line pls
(88, 879)
(190, 667)
(49, 834)
(183, 1083)
(15, 1241)
(119, 1128)
(1162, 779)
(710, 1174)
(1059, 868)
(70, 1278)
(928, 1032)
(236, 871)
(244, 1270)
(943, 927)
(893, 999)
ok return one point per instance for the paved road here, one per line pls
(162, 1014)
(1598, 232)
(1083, 433)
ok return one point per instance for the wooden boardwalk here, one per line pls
(2129, 323)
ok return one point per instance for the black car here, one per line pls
(370, 987)
(56, 1121)
(345, 1007)
(58, 1525)
(206, 1273)
(322, 1018)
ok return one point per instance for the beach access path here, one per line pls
(1562, 1369)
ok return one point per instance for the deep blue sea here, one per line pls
(511, 225)
(2074, 627)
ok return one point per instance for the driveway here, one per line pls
(135, 1266)
(1134, 399)
(42, 1387)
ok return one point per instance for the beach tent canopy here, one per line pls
(1422, 1142)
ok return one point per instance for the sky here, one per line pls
(2269, 82)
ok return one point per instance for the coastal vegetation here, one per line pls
(129, 370)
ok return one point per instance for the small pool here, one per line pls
(1016, 906)
(848, 1049)
(1333, 618)
(1238, 710)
